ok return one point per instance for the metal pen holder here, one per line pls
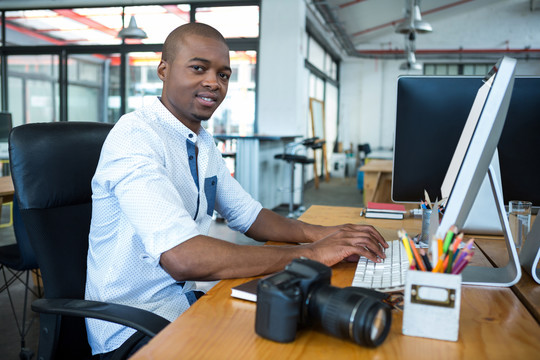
(432, 302)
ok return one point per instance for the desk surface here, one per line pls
(493, 323)
(377, 165)
(6, 189)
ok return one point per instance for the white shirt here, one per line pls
(146, 200)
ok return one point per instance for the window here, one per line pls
(323, 85)
(69, 64)
(456, 69)
(33, 88)
(237, 112)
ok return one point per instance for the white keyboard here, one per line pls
(386, 276)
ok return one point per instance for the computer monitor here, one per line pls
(472, 160)
(431, 113)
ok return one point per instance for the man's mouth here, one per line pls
(207, 100)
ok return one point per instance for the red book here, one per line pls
(386, 207)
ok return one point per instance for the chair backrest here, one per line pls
(27, 258)
(52, 165)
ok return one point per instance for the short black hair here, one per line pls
(172, 44)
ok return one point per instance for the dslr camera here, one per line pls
(301, 296)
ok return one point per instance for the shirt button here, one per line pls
(190, 157)
(190, 135)
(213, 183)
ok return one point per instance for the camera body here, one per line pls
(301, 295)
(280, 298)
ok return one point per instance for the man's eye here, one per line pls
(224, 76)
(197, 68)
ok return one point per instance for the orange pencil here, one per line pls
(457, 242)
(444, 264)
(417, 258)
(439, 264)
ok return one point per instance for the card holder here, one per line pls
(431, 306)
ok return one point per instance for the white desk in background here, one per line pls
(255, 167)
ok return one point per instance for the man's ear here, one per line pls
(162, 70)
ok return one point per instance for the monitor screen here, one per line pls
(431, 114)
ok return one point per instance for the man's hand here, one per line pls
(349, 242)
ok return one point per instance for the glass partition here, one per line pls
(33, 88)
(93, 87)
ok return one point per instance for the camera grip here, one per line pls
(277, 314)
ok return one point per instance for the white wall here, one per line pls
(282, 93)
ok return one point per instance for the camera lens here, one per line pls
(350, 313)
(379, 325)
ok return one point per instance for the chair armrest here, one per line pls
(142, 320)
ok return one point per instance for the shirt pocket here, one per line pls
(210, 186)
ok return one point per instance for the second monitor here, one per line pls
(431, 113)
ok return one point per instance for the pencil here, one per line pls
(464, 252)
(417, 258)
(457, 241)
(427, 198)
(425, 257)
(406, 245)
(450, 261)
(464, 263)
(450, 234)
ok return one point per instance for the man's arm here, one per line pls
(270, 226)
(206, 258)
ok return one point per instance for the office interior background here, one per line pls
(62, 60)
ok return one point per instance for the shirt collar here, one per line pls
(167, 116)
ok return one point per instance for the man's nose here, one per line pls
(211, 81)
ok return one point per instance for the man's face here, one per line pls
(196, 82)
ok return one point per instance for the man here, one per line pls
(158, 181)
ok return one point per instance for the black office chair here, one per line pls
(17, 262)
(52, 165)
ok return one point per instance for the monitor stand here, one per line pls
(509, 274)
(529, 255)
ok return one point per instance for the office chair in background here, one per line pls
(17, 261)
(52, 165)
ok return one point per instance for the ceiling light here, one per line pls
(132, 31)
(413, 21)
(411, 63)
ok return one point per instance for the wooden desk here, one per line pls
(527, 290)
(6, 189)
(377, 181)
(494, 324)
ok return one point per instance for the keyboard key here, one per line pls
(386, 276)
